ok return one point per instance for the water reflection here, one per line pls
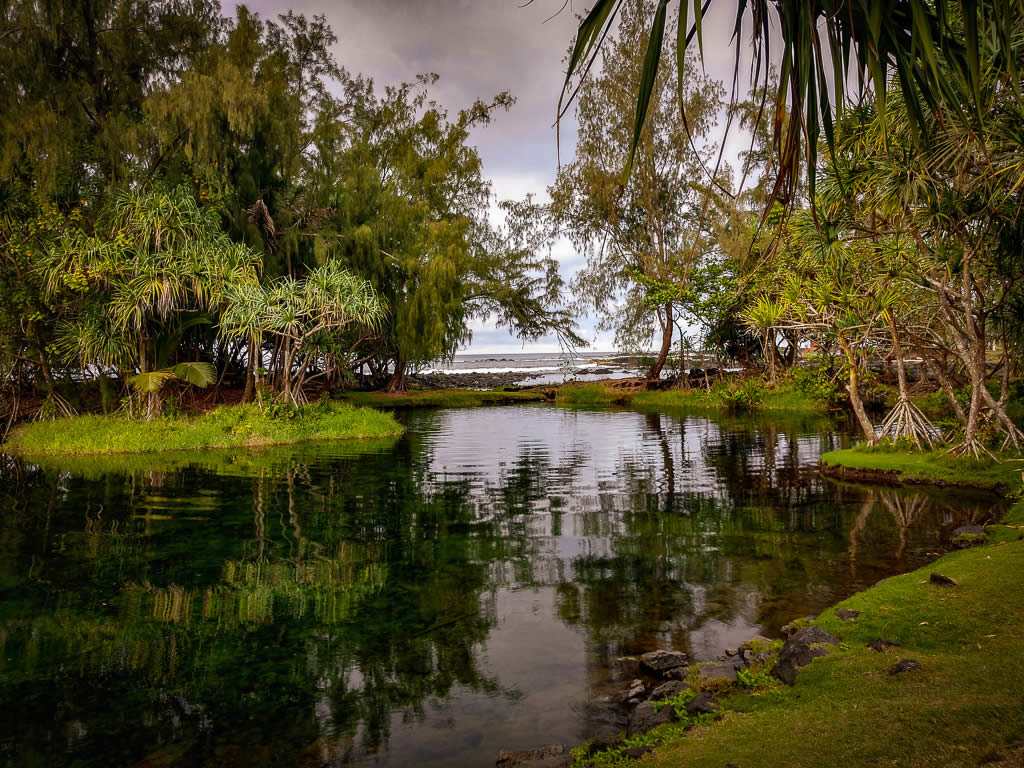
(427, 600)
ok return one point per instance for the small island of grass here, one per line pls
(890, 464)
(238, 426)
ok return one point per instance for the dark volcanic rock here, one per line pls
(793, 627)
(907, 665)
(943, 581)
(882, 644)
(845, 614)
(969, 530)
(702, 704)
(800, 648)
(604, 722)
(661, 662)
(668, 690)
(715, 673)
(635, 693)
(514, 758)
(645, 718)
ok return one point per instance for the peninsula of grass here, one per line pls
(238, 426)
(753, 395)
(441, 398)
(890, 464)
(961, 708)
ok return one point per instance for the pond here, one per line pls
(428, 600)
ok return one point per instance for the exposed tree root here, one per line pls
(907, 420)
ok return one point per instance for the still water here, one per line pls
(423, 601)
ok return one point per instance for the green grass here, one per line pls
(961, 708)
(446, 398)
(934, 467)
(239, 426)
(591, 394)
(785, 397)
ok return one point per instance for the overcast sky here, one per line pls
(480, 48)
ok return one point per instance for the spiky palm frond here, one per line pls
(195, 373)
(943, 55)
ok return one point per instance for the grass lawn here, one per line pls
(238, 426)
(962, 708)
(448, 398)
(935, 467)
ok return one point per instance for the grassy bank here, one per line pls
(961, 708)
(440, 398)
(892, 464)
(240, 426)
(748, 396)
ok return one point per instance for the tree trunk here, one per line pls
(666, 344)
(250, 374)
(858, 406)
(397, 381)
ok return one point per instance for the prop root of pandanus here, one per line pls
(907, 420)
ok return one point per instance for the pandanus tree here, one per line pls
(156, 265)
(300, 316)
(936, 52)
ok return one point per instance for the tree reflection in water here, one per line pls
(324, 603)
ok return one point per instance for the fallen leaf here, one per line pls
(923, 624)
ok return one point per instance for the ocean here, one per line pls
(542, 367)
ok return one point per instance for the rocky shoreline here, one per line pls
(668, 689)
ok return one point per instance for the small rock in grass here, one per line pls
(662, 662)
(702, 704)
(845, 614)
(882, 644)
(668, 690)
(800, 649)
(907, 665)
(714, 673)
(645, 718)
(635, 753)
(945, 581)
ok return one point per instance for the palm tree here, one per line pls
(157, 265)
(301, 316)
(935, 51)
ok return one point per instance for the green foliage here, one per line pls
(746, 395)
(817, 380)
(226, 427)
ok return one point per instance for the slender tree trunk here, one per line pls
(853, 388)
(397, 381)
(897, 352)
(250, 374)
(947, 388)
(666, 344)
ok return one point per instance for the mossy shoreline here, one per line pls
(237, 426)
(890, 465)
(960, 707)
